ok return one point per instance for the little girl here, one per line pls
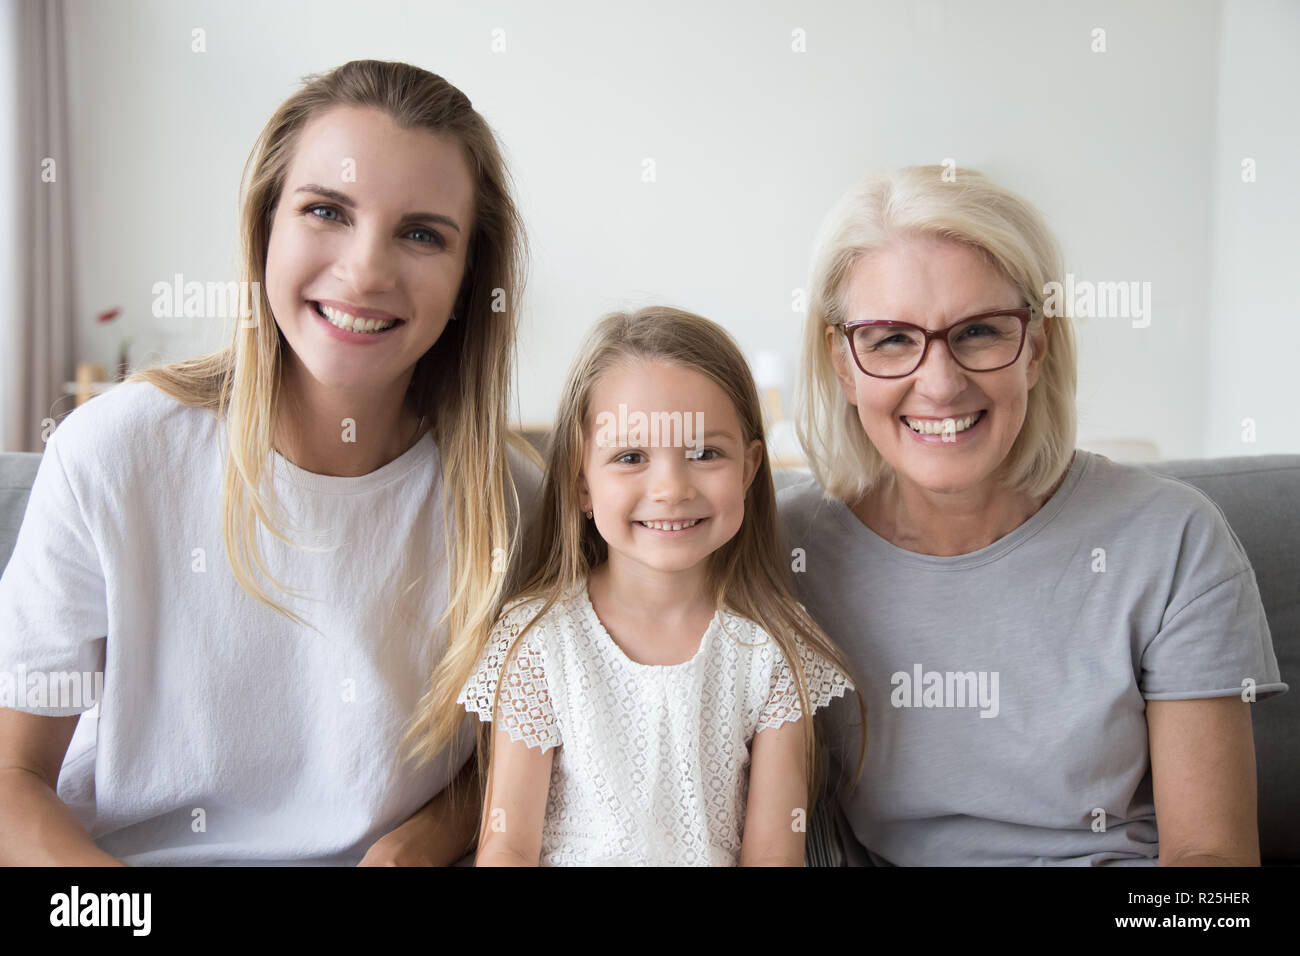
(649, 680)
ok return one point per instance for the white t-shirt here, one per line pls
(652, 765)
(227, 733)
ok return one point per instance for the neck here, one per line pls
(946, 524)
(663, 599)
(311, 431)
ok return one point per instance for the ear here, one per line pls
(753, 458)
(584, 495)
(1038, 343)
(836, 345)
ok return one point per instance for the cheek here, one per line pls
(876, 405)
(281, 265)
(291, 256)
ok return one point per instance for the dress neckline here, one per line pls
(589, 611)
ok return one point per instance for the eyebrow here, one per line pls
(708, 435)
(343, 199)
(965, 316)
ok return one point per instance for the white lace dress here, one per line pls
(652, 765)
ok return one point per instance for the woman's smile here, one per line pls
(953, 430)
(354, 328)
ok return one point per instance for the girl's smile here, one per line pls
(671, 528)
(661, 507)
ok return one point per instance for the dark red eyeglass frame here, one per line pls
(1025, 314)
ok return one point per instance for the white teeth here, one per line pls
(669, 525)
(351, 323)
(941, 426)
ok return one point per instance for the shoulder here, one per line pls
(764, 649)
(1173, 537)
(774, 677)
(803, 504)
(131, 424)
(519, 612)
(1131, 485)
(1144, 502)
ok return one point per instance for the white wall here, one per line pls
(1253, 344)
(752, 142)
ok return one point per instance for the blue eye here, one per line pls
(435, 238)
(319, 206)
(430, 237)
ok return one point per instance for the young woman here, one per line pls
(349, 451)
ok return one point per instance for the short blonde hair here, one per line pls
(1012, 235)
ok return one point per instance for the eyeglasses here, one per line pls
(979, 343)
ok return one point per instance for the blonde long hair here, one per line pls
(747, 576)
(1013, 237)
(461, 385)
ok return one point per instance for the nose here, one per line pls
(670, 482)
(366, 263)
(939, 379)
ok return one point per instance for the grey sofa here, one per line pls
(1260, 498)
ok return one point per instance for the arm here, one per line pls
(1203, 778)
(36, 827)
(439, 833)
(778, 787)
(511, 833)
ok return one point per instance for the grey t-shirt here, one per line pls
(1006, 689)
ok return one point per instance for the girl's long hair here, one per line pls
(461, 385)
(748, 575)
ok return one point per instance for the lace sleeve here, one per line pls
(525, 706)
(824, 682)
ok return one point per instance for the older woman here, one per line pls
(1058, 652)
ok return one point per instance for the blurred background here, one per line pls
(685, 153)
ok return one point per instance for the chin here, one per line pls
(348, 375)
(945, 478)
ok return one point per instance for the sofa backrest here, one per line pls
(1260, 497)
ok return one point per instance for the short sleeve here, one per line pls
(525, 706)
(1214, 638)
(824, 683)
(53, 599)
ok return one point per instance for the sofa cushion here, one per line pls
(17, 472)
(1259, 497)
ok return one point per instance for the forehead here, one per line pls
(923, 279)
(650, 386)
(363, 152)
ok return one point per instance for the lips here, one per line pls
(949, 425)
(673, 526)
(354, 320)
